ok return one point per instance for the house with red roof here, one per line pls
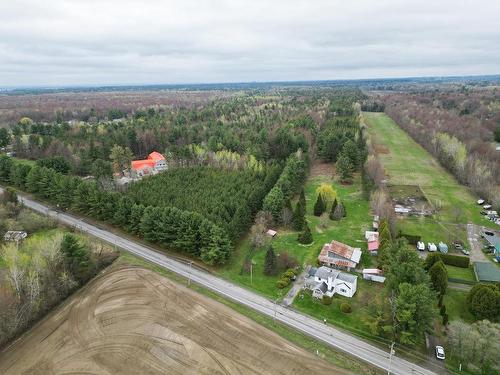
(372, 241)
(339, 255)
(153, 164)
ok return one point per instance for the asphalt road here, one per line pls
(303, 323)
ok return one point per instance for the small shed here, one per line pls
(271, 233)
(15, 235)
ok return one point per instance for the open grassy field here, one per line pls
(407, 163)
(456, 307)
(466, 274)
(349, 230)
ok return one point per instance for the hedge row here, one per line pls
(455, 260)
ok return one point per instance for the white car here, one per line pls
(487, 206)
(431, 246)
(440, 352)
(480, 202)
(420, 246)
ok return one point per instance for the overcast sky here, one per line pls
(75, 42)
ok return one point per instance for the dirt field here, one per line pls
(134, 321)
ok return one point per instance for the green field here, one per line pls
(356, 321)
(456, 307)
(466, 274)
(349, 230)
(407, 163)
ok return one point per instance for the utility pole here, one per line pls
(390, 358)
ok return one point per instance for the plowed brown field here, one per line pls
(134, 321)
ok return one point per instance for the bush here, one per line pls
(455, 260)
(345, 308)
(412, 239)
(445, 319)
(289, 274)
(326, 300)
(287, 261)
(282, 283)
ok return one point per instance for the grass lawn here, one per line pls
(456, 307)
(397, 152)
(466, 274)
(356, 321)
(349, 230)
(328, 353)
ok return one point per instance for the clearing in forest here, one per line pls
(134, 321)
(407, 163)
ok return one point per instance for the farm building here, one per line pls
(328, 281)
(153, 164)
(339, 255)
(373, 274)
(372, 241)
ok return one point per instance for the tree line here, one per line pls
(184, 231)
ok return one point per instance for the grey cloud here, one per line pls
(158, 41)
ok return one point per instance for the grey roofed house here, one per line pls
(347, 277)
(326, 272)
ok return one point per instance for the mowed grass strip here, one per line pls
(408, 163)
(459, 273)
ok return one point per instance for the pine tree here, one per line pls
(77, 257)
(302, 200)
(270, 262)
(305, 237)
(298, 216)
(439, 277)
(339, 212)
(344, 167)
(319, 206)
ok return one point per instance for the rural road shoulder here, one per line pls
(303, 323)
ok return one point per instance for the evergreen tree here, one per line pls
(439, 277)
(76, 255)
(319, 206)
(339, 212)
(270, 262)
(332, 211)
(344, 167)
(305, 237)
(298, 216)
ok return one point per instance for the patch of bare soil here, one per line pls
(319, 168)
(381, 149)
(134, 321)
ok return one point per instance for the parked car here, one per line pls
(480, 202)
(488, 233)
(458, 246)
(431, 246)
(420, 246)
(466, 252)
(440, 352)
(487, 206)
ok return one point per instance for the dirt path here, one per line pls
(134, 321)
(474, 237)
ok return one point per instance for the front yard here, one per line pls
(349, 230)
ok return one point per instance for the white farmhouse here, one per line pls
(328, 281)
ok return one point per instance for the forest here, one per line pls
(459, 127)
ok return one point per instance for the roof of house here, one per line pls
(486, 271)
(341, 250)
(347, 277)
(326, 272)
(271, 232)
(493, 240)
(312, 271)
(373, 245)
(156, 156)
(371, 235)
(322, 286)
(150, 162)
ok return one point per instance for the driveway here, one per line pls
(476, 243)
(297, 286)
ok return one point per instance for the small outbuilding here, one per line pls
(271, 233)
(15, 235)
